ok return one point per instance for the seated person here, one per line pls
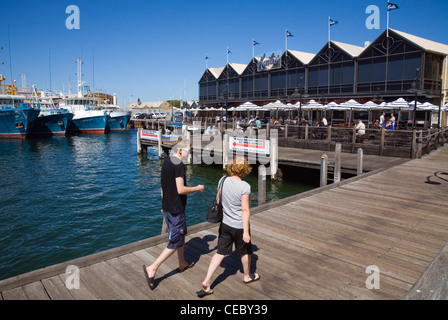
(360, 129)
(390, 125)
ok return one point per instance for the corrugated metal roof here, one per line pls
(304, 57)
(425, 44)
(351, 49)
(216, 72)
(238, 67)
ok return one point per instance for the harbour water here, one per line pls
(67, 197)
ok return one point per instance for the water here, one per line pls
(66, 197)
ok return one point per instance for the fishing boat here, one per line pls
(52, 120)
(16, 116)
(88, 117)
(118, 120)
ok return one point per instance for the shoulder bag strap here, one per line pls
(220, 189)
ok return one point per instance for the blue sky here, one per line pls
(155, 50)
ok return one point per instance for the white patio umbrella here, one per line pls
(400, 103)
(275, 105)
(247, 106)
(426, 106)
(334, 106)
(311, 105)
(352, 104)
(370, 105)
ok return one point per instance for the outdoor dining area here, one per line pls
(408, 116)
(313, 125)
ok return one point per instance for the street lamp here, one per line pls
(416, 88)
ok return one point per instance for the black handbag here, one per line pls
(214, 213)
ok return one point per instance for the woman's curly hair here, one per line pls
(239, 167)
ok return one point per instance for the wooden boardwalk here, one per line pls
(309, 158)
(315, 245)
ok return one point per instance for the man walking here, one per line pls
(174, 199)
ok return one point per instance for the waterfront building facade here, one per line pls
(395, 65)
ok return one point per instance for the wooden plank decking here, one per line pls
(316, 245)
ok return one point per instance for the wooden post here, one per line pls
(225, 151)
(261, 184)
(323, 170)
(159, 143)
(414, 145)
(419, 144)
(273, 146)
(383, 133)
(359, 165)
(353, 139)
(139, 140)
(306, 136)
(286, 135)
(337, 162)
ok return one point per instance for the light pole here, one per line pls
(416, 88)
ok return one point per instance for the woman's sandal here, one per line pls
(148, 279)
(255, 278)
(202, 293)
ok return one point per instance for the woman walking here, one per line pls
(235, 225)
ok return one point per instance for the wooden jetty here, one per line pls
(387, 229)
(395, 143)
(297, 157)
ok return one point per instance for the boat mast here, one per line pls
(79, 63)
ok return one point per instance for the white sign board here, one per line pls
(150, 134)
(249, 145)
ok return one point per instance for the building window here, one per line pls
(411, 63)
(395, 68)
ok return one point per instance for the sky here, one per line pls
(155, 50)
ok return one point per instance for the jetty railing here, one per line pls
(398, 143)
(377, 141)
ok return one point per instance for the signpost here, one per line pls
(244, 144)
(154, 135)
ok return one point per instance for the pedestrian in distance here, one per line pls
(174, 193)
(383, 120)
(234, 228)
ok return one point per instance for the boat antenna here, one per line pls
(49, 65)
(10, 60)
(93, 67)
(79, 63)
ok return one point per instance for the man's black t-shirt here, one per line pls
(172, 202)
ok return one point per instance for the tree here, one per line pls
(174, 103)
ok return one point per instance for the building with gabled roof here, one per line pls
(390, 67)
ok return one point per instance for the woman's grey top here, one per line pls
(232, 191)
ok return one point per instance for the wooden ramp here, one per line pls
(316, 245)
